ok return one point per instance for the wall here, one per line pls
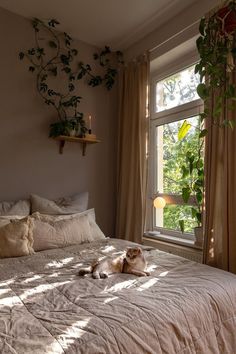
(30, 162)
(185, 20)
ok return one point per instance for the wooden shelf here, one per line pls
(84, 141)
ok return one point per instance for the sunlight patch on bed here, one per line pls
(43, 288)
(33, 278)
(163, 274)
(73, 332)
(109, 299)
(147, 285)
(151, 267)
(107, 249)
(120, 286)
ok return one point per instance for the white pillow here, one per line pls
(95, 231)
(67, 205)
(20, 207)
(16, 238)
(50, 233)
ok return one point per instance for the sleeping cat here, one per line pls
(132, 262)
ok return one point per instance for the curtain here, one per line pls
(132, 140)
(220, 190)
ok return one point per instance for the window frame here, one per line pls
(184, 111)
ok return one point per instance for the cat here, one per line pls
(132, 262)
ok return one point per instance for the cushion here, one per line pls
(20, 207)
(16, 238)
(51, 233)
(4, 220)
(67, 205)
(95, 231)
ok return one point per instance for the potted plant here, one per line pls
(193, 181)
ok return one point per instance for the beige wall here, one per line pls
(168, 31)
(30, 162)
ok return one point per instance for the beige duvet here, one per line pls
(183, 307)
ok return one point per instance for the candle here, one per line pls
(90, 123)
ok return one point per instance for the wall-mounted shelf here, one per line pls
(84, 141)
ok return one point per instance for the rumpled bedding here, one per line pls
(183, 307)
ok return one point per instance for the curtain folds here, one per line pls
(132, 140)
(220, 191)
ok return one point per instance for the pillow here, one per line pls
(16, 238)
(68, 205)
(95, 231)
(20, 207)
(4, 220)
(49, 233)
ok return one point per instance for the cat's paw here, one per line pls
(96, 275)
(103, 275)
(147, 273)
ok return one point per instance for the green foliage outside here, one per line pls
(174, 157)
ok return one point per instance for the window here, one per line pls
(174, 99)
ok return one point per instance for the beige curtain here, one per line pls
(220, 193)
(132, 135)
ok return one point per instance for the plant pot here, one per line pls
(198, 233)
(229, 19)
(72, 132)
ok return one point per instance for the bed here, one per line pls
(183, 307)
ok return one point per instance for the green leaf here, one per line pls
(202, 26)
(183, 130)
(21, 55)
(181, 225)
(203, 133)
(185, 171)
(186, 194)
(199, 218)
(202, 91)
(53, 22)
(199, 196)
(194, 212)
(74, 51)
(52, 44)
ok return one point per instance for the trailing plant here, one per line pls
(53, 56)
(217, 49)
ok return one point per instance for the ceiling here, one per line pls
(117, 23)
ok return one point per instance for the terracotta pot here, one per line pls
(229, 17)
(198, 233)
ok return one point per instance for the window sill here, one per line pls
(173, 239)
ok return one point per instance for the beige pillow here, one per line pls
(68, 205)
(16, 238)
(95, 231)
(49, 233)
(4, 220)
(20, 207)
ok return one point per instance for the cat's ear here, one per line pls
(139, 250)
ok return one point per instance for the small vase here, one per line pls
(198, 233)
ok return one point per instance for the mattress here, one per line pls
(182, 307)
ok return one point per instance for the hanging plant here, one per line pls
(53, 57)
(217, 50)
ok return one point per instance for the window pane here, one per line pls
(169, 217)
(177, 89)
(171, 154)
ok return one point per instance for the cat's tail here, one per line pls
(86, 270)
